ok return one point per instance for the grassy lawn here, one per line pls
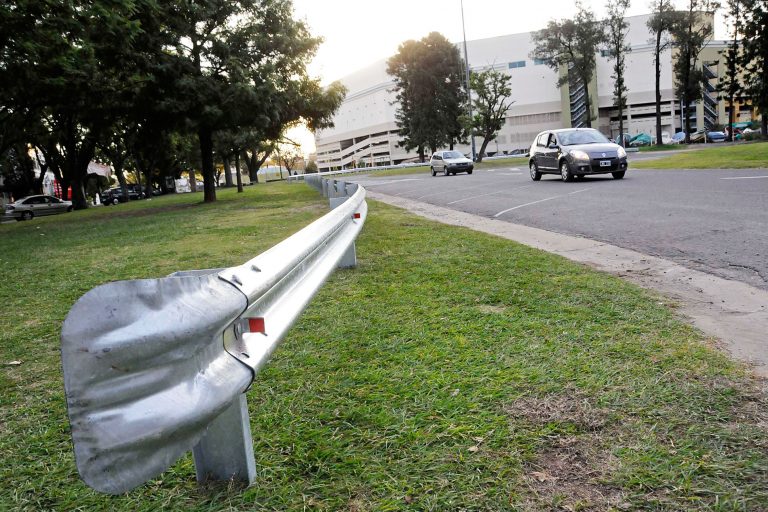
(740, 156)
(451, 370)
(662, 147)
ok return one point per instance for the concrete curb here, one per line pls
(731, 311)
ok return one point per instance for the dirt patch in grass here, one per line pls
(573, 408)
(569, 474)
(489, 308)
(569, 471)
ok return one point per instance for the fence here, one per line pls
(154, 368)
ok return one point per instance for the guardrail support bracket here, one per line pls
(349, 260)
(226, 450)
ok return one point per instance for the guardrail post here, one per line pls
(226, 450)
(349, 260)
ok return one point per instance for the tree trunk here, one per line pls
(587, 103)
(227, 172)
(730, 118)
(192, 180)
(764, 124)
(121, 180)
(205, 136)
(237, 172)
(658, 89)
(484, 145)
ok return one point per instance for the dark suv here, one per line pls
(115, 195)
(574, 153)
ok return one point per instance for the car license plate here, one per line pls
(605, 163)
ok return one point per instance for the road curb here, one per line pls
(733, 312)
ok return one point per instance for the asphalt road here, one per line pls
(715, 221)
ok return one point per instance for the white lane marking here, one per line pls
(539, 201)
(745, 178)
(488, 194)
(511, 174)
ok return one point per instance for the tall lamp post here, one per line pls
(469, 90)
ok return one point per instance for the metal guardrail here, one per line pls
(154, 368)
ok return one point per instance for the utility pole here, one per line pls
(469, 90)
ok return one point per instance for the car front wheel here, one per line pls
(27, 215)
(535, 174)
(618, 175)
(565, 171)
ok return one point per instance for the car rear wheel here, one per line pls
(434, 173)
(565, 171)
(618, 175)
(535, 174)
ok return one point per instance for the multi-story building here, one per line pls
(365, 131)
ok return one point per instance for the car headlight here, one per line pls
(622, 153)
(579, 155)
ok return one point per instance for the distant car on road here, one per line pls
(450, 162)
(28, 208)
(678, 138)
(716, 137)
(574, 153)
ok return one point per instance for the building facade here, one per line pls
(365, 131)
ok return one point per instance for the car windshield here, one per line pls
(571, 138)
(452, 154)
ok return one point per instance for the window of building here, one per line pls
(517, 64)
(538, 62)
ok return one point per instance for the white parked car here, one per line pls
(450, 162)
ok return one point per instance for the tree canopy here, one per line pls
(76, 75)
(430, 93)
(491, 103)
(569, 48)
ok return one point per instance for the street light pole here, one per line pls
(469, 90)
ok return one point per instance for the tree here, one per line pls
(569, 48)
(616, 42)
(290, 156)
(755, 57)
(255, 155)
(660, 24)
(71, 69)
(691, 32)
(239, 70)
(429, 92)
(490, 105)
(730, 85)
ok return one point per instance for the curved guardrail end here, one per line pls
(145, 373)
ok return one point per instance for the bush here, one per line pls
(311, 167)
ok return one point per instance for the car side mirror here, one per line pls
(552, 146)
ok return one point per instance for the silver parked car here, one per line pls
(450, 162)
(33, 206)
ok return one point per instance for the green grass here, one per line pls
(662, 147)
(740, 156)
(450, 371)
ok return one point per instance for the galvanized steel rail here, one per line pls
(154, 368)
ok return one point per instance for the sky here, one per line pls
(357, 33)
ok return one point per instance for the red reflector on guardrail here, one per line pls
(256, 325)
